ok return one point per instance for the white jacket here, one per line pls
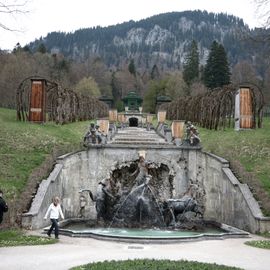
(54, 212)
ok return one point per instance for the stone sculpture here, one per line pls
(180, 206)
(93, 135)
(122, 201)
(103, 193)
(192, 134)
(182, 213)
(82, 206)
(142, 171)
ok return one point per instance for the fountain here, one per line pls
(137, 203)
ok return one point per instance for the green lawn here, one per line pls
(10, 238)
(153, 265)
(249, 154)
(24, 146)
(260, 243)
(265, 244)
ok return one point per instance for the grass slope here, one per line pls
(24, 146)
(249, 155)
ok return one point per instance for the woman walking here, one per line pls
(53, 211)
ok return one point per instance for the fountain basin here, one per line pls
(212, 230)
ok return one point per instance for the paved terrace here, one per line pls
(69, 252)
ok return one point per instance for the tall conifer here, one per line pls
(191, 66)
(216, 72)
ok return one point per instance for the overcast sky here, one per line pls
(45, 16)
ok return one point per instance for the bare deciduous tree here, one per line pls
(197, 88)
(263, 12)
(176, 86)
(243, 72)
(11, 8)
(87, 86)
(266, 89)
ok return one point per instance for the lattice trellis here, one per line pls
(62, 105)
(215, 109)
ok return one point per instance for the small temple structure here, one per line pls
(132, 101)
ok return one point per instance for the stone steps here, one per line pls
(139, 142)
(135, 136)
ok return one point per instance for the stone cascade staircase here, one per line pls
(137, 136)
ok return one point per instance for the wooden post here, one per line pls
(37, 106)
(178, 129)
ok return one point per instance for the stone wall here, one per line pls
(213, 184)
(47, 189)
(227, 200)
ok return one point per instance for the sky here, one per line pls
(44, 16)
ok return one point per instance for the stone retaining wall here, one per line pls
(225, 199)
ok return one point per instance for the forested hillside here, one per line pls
(152, 57)
(162, 39)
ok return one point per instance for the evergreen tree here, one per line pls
(26, 48)
(42, 48)
(131, 68)
(223, 71)
(191, 66)
(155, 73)
(17, 48)
(216, 72)
(115, 91)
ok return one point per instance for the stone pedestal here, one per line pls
(113, 116)
(161, 116)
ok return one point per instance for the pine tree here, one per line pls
(17, 48)
(209, 70)
(41, 48)
(155, 74)
(191, 66)
(132, 68)
(216, 72)
(223, 70)
(115, 91)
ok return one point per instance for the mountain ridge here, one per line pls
(162, 39)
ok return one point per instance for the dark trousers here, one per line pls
(55, 227)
